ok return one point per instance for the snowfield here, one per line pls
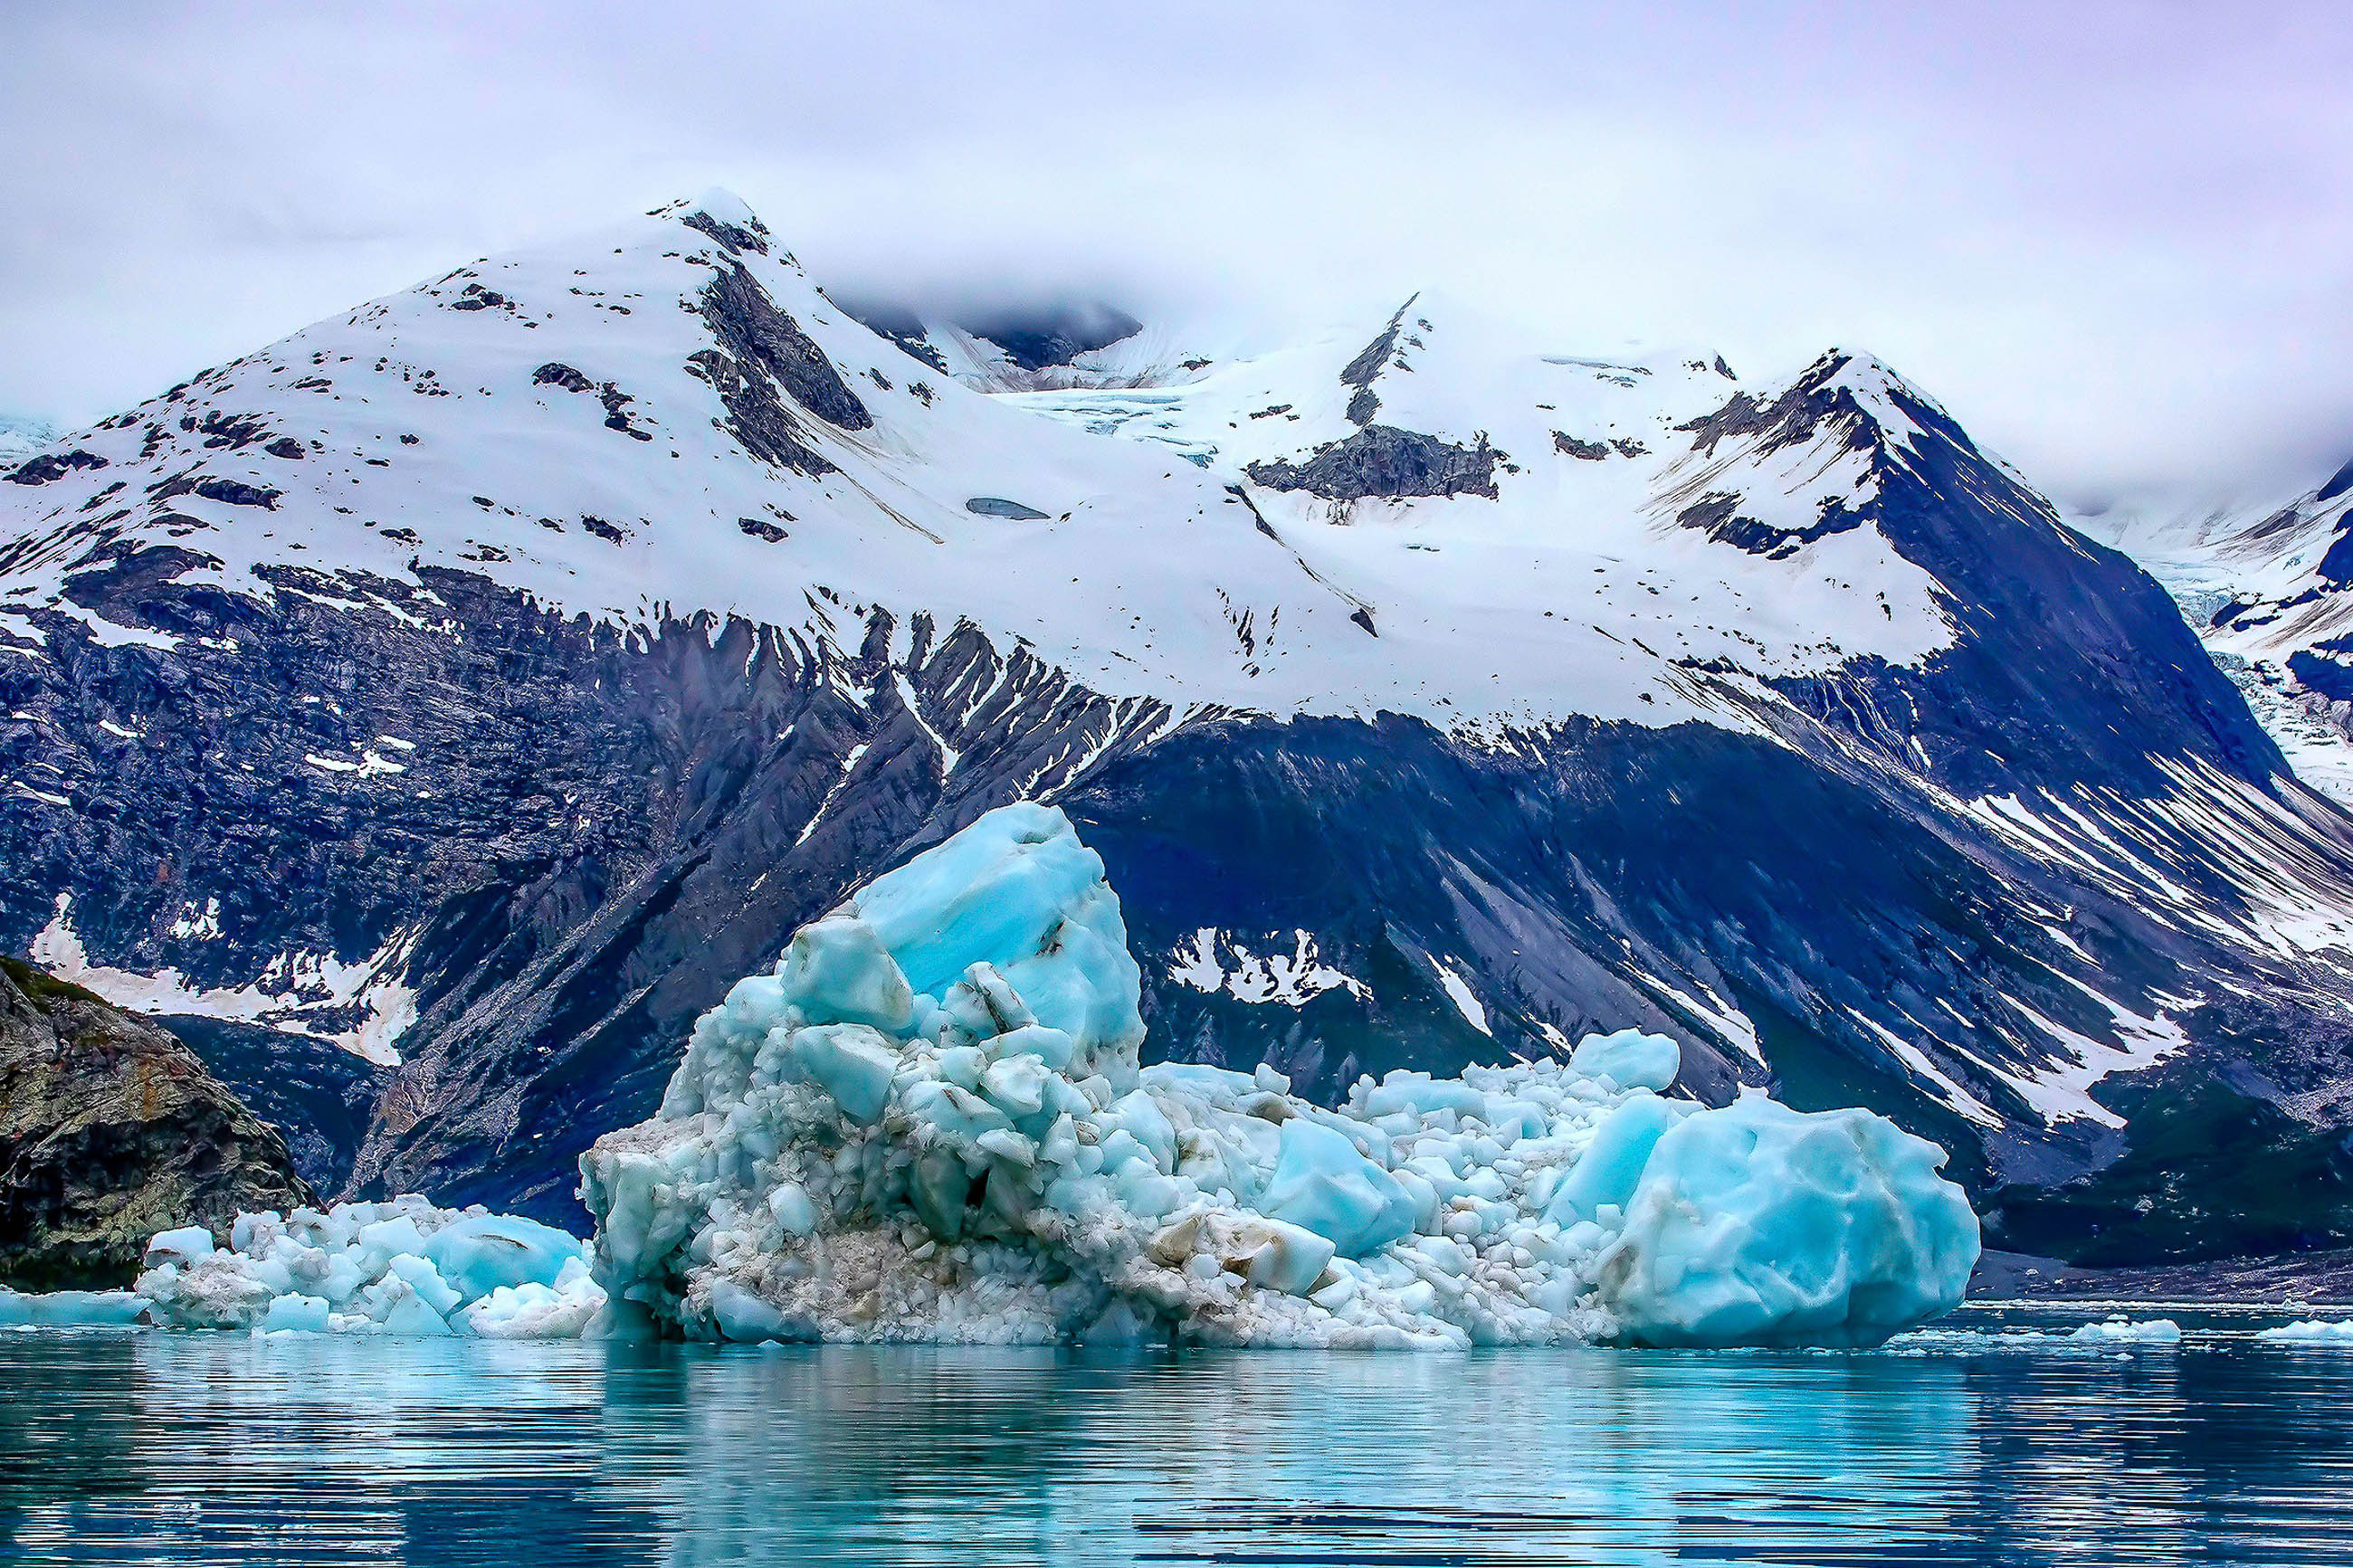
(499, 420)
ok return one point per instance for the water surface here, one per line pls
(146, 1447)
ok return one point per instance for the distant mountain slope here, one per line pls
(21, 436)
(2265, 582)
(484, 679)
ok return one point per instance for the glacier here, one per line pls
(930, 1124)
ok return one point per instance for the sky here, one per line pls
(2114, 240)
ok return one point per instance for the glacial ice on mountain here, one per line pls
(929, 1124)
(398, 1267)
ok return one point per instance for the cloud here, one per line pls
(2112, 238)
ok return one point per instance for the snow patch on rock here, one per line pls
(290, 988)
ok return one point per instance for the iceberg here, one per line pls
(930, 1124)
(398, 1267)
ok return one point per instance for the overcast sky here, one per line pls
(2116, 240)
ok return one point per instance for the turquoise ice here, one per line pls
(930, 1124)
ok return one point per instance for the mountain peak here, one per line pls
(724, 216)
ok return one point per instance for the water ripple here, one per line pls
(123, 1448)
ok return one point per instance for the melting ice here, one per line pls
(929, 1124)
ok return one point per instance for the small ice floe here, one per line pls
(2311, 1331)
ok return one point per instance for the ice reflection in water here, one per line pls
(185, 1447)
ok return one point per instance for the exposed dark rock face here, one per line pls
(1382, 460)
(111, 1130)
(563, 375)
(222, 430)
(996, 506)
(617, 412)
(1790, 418)
(2341, 481)
(1568, 445)
(237, 493)
(766, 350)
(2324, 667)
(1366, 368)
(617, 402)
(55, 465)
(735, 236)
(1034, 339)
(321, 1097)
(895, 321)
(1717, 515)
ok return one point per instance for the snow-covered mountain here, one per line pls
(483, 678)
(2265, 582)
(21, 435)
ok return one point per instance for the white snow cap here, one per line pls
(599, 425)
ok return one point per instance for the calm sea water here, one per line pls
(148, 1448)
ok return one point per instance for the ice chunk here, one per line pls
(1322, 1183)
(187, 1247)
(401, 1267)
(2311, 1331)
(479, 1253)
(296, 1314)
(533, 1311)
(1289, 1259)
(2119, 1330)
(1630, 1058)
(929, 1124)
(71, 1310)
(851, 1062)
(837, 969)
(1611, 1166)
(1758, 1225)
(1418, 1093)
(1018, 892)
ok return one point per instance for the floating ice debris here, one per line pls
(2311, 1331)
(398, 1267)
(2095, 1338)
(929, 1124)
(2119, 1330)
(70, 1310)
